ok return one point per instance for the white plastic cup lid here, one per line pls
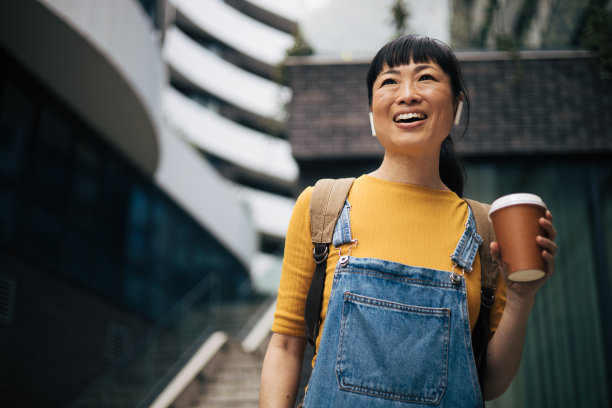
(514, 199)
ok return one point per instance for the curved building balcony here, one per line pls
(280, 9)
(271, 212)
(207, 197)
(101, 59)
(253, 151)
(221, 21)
(268, 13)
(212, 74)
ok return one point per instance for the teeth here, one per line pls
(407, 116)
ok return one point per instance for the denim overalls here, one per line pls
(396, 335)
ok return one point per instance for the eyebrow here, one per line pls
(417, 69)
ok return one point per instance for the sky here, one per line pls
(353, 28)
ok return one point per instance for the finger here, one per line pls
(548, 226)
(494, 247)
(550, 261)
(548, 215)
(547, 244)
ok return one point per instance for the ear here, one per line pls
(458, 110)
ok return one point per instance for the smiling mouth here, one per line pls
(409, 117)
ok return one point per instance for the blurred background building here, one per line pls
(150, 152)
(145, 188)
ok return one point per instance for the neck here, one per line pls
(418, 170)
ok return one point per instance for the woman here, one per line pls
(387, 338)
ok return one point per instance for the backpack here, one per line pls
(327, 201)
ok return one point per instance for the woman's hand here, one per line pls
(527, 290)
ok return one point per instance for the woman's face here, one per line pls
(413, 108)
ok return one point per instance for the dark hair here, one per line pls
(422, 49)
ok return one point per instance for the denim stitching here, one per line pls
(470, 241)
(342, 230)
(443, 313)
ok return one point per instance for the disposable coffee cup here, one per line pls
(515, 220)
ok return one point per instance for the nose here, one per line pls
(408, 93)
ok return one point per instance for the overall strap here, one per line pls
(326, 203)
(489, 271)
(486, 232)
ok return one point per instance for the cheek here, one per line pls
(378, 111)
(447, 108)
(381, 103)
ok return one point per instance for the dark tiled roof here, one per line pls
(542, 103)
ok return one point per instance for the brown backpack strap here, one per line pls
(326, 204)
(486, 232)
(488, 282)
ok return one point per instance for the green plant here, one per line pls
(300, 47)
(399, 16)
(597, 36)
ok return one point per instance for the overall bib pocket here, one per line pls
(392, 350)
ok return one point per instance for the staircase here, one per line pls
(157, 361)
(216, 370)
(232, 379)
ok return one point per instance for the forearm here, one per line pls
(280, 376)
(505, 349)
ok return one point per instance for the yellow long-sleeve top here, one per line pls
(397, 222)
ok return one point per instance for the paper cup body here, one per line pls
(515, 220)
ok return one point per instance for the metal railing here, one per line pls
(150, 364)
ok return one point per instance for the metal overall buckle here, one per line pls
(456, 277)
(343, 259)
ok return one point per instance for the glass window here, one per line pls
(138, 234)
(51, 160)
(78, 255)
(44, 234)
(17, 112)
(77, 205)
(8, 210)
(116, 187)
(85, 185)
(163, 224)
(17, 109)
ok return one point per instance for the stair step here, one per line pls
(234, 382)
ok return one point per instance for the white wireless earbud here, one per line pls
(458, 113)
(372, 124)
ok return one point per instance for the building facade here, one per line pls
(136, 185)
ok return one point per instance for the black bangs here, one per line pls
(418, 49)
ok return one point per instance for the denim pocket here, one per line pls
(392, 350)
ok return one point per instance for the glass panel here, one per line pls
(8, 209)
(17, 109)
(138, 234)
(79, 255)
(44, 235)
(117, 181)
(162, 240)
(85, 184)
(50, 166)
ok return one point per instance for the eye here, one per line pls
(426, 77)
(388, 81)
